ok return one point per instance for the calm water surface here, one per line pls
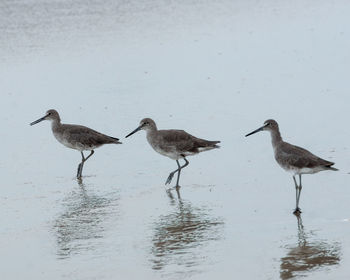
(216, 69)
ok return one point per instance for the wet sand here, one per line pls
(217, 70)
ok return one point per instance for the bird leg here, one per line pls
(171, 175)
(178, 178)
(81, 165)
(178, 175)
(297, 210)
(296, 188)
(300, 187)
(92, 152)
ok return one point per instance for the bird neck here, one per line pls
(151, 134)
(55, 124)
(151, 129)
(276, 137)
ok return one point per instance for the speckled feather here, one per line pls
(290, 156)
(182, 142)
(78, 134)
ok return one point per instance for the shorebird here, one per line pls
(76, 137)
(293, 159)
(175, 144)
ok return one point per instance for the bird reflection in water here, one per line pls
(181, 236)
(81, 226)
(308, 256)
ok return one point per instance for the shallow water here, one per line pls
(215, 69)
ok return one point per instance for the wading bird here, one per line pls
(175, 144)
(76, 137)
(293, 159)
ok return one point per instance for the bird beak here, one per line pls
(256, 130)
(136, 130)
(39, 120)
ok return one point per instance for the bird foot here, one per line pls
(297, 211)
(168, 181)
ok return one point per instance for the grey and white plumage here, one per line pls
(175, 144)
(292, 158)
(76, 137)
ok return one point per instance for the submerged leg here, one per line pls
(178, 193)
(81, 165)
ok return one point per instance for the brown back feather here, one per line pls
(299, 157)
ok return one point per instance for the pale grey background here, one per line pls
(217, 69)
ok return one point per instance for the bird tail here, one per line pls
(208, 145)
(329, 167)
(214, 143)
(332, 168)
(115, 140)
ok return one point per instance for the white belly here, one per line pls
(305, 170)
(170, 154)
(63, 140)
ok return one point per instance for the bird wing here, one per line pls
(182, 141)
(299, 157)
(87, 136)
(178, 140)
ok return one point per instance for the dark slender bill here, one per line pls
(136, 130)
(255, 131)
(39, 120)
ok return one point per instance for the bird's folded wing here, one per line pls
(300, 158)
